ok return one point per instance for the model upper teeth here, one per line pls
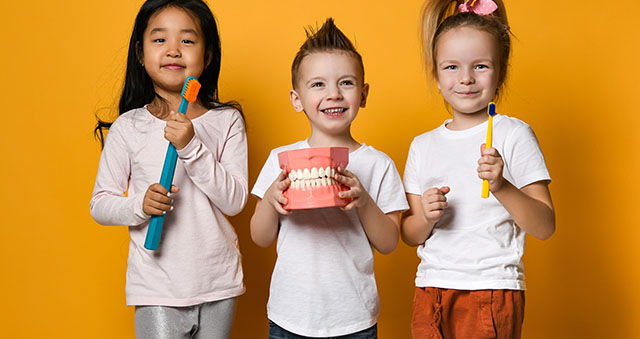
(304, 178)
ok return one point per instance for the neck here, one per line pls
(318, 139)
(462, 121)
(171, 102)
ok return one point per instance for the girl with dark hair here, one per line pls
(188, 288)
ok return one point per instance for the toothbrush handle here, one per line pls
(485, 183)
(155, 225)
(166, 179)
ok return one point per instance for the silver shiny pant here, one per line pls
(211, 320)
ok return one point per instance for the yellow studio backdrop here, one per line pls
(574, 79)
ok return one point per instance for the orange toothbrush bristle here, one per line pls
(190, 90)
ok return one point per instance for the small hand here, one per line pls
(157, 201)
(356, 192)
(179, 130)
(274, 195)
(490, 167)
(434, 203)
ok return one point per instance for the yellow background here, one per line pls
(574, 80)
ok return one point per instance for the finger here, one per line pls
(154, 211)
(490, 151)
(482, 147)
(156, 187)
(284, 184)
(160, 198)
(280, 208)
(349, 206)
(160, 205)
(445, 189)
(431, 191)
(344, 171)
(352, 193)
(347, 181)
(175, 189)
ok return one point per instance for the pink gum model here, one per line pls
(311, 171)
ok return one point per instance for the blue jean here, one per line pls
(277, 332)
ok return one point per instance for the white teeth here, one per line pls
(321, 172)
(316, 177)
(323, 182)
(307, 183)
(314, 172)
(334, 110)
(292, 176)
(299, 174)
(306, 174)
(333, 173)
(327, 172)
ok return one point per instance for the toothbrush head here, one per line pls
(491, 109)
(190, 89)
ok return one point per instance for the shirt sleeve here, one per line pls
(411, 182)
(224, 179)
(108, 205)
(391, 196)
(523, 157)
(267, 175)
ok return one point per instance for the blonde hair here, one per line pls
(441, 16)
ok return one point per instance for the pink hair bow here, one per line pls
(480, 7)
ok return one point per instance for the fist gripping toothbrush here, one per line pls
(491, 110)
(189, 94)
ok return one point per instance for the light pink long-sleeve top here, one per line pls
(198, 259)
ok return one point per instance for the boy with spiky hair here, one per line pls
(323, 283)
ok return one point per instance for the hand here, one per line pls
(490, 168)
(356, 191)
(434, 203)
(157, 201)
(179, 130)
(274, 195)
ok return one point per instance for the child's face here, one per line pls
(467, 70)
(330, 91)
(173, 49)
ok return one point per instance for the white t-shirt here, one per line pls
(476, 244)
(323, 283)
(198, 259)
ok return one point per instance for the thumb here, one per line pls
(482, 147)
(445, 189)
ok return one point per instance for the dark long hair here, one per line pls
(138, 89)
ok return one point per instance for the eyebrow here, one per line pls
(162, 30)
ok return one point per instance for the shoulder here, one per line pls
(296, 145)
(127, 121)
(369, 154)
(511, 123)
(222, 115)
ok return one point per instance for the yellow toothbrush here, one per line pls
(491, 110)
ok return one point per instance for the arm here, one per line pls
(265, 221)
(530, 206)
(223, 181)
(423, 214)
(381, 229)
(108, 205)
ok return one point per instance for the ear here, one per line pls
(295, 101)
(364, 95)
(139, 53)
(207, 59)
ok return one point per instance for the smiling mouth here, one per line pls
(333, 112)
(467, 93)
(173, 66)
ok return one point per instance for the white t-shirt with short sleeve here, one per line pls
(476, 244)
(323, 283)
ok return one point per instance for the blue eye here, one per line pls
(317, 84)
(482, 66)
(451, 67)
(346, 83)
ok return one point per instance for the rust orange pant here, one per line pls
(444, 313)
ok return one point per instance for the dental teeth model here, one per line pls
(312, 171)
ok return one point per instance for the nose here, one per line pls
(173, 50)
(466, 77)
(334, 93)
